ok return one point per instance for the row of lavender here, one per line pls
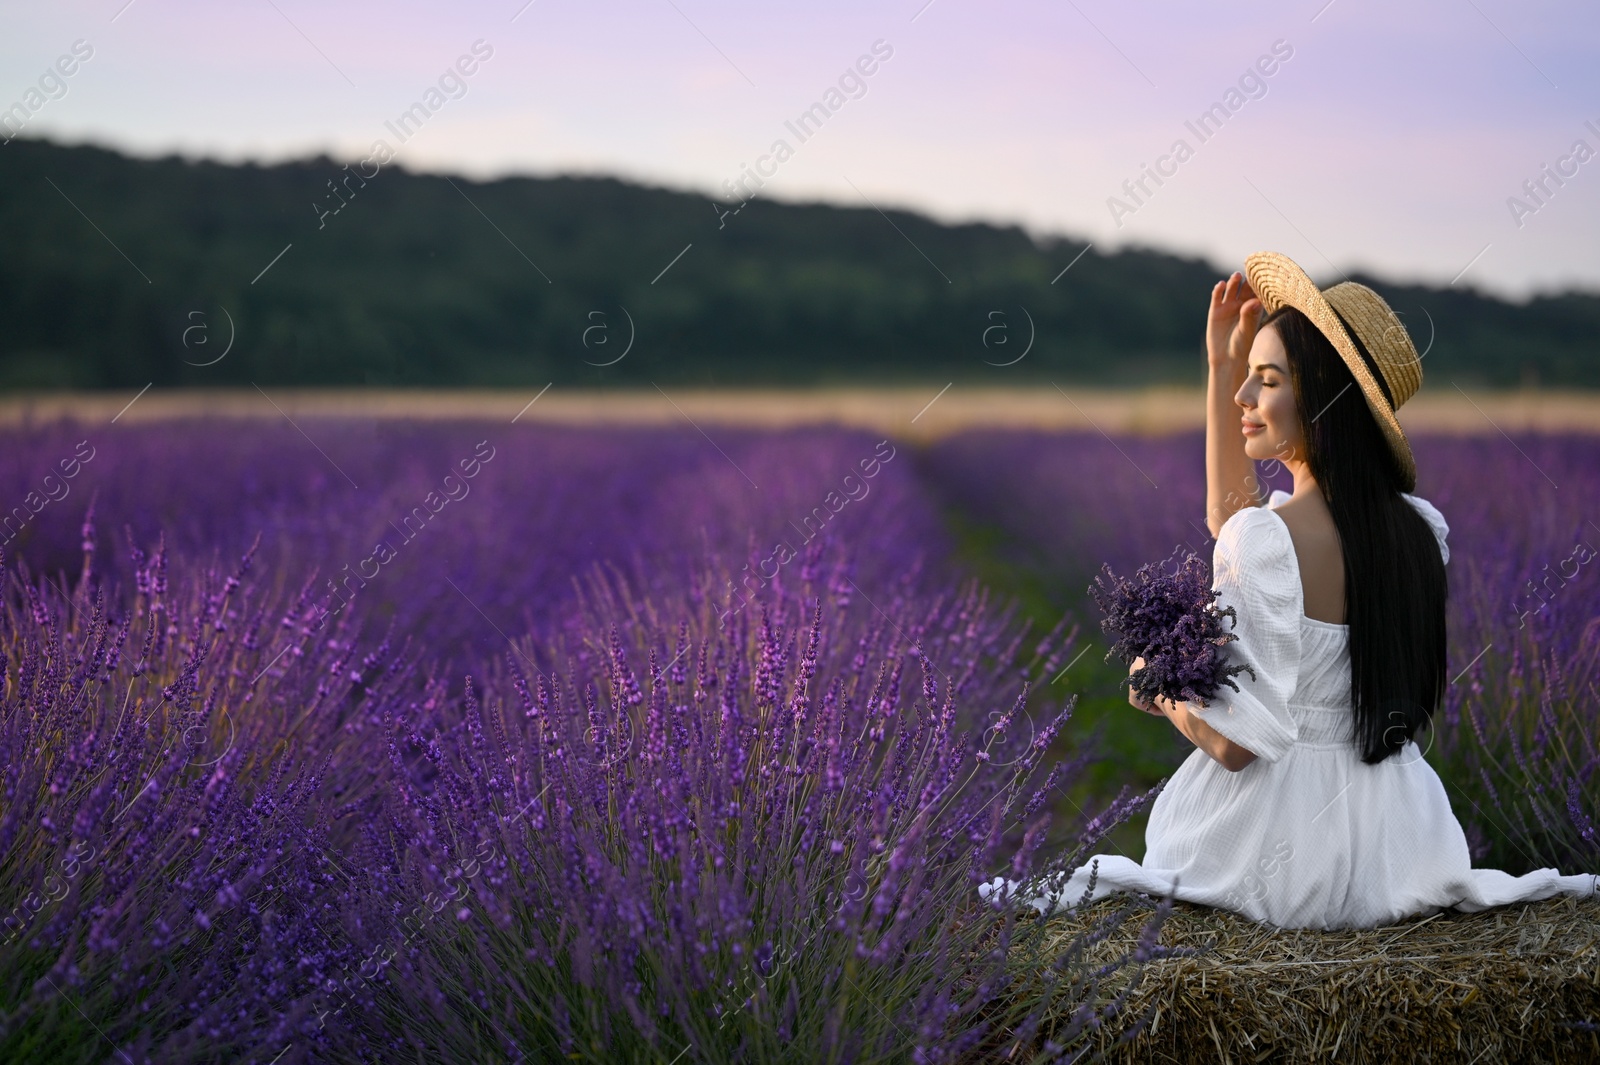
(674, 809)
(464, 533)
(234, 834)
(715, 790)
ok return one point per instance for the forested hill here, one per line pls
(118, 271)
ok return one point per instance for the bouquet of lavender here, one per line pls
(1167, 616)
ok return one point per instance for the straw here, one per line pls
(1510, 984)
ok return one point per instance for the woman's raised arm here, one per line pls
(1231, 326)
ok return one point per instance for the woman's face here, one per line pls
(1270, 422)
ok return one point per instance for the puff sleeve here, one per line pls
(1254, 571)
(1435, 520)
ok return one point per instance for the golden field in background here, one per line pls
(908, 412)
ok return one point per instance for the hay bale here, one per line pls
(1502, 985)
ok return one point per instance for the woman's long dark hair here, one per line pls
(1394, 580)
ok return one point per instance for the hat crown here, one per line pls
(1380, 331)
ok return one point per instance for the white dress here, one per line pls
(1307, 835)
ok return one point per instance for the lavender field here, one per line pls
(375, 740)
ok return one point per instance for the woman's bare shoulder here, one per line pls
(1308, 519)
(1318, 557)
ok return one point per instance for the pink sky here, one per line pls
(1389, 141)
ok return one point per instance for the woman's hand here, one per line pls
(1231, 480)
(1135, 699)
(1231, 326)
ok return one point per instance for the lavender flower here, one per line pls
(1166, 615)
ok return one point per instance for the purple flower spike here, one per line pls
(1167, 615)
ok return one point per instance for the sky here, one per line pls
(1406, 141)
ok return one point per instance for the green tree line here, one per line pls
(118, 271)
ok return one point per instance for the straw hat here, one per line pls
(1392, 371)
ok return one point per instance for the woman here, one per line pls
(1307, 803)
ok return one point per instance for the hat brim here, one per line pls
(1278, 281)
